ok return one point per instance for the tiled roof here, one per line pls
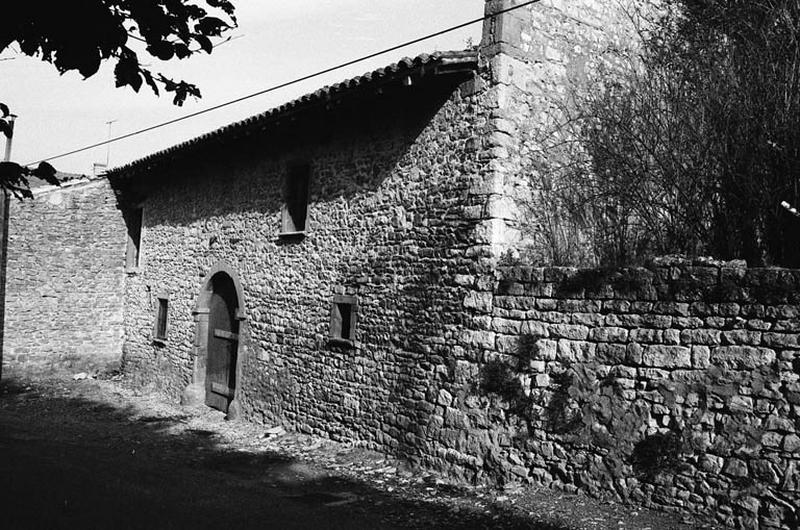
(439, 62)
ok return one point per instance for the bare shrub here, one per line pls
(689, 149)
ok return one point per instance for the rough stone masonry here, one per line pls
(65, 283)
(674, 385)
(658, 386)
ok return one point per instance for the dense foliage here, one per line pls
(694, 148)
(81, 35)
(14, 177)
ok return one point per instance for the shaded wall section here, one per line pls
(65, 283)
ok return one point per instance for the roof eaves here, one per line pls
(441, 63)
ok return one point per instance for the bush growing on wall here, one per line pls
(690, 150)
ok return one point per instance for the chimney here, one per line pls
(98, 168)
(510, 32)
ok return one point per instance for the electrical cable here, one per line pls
(288, 83)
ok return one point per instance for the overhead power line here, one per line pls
(220, 43)
(289, 83)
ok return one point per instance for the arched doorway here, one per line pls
(219, 315)
(222, 343)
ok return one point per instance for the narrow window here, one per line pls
(134, 239)
(161, 318)
(295, 207)
(344, 312)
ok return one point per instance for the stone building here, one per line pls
(335, 265)
(65, 278)
(341, 233)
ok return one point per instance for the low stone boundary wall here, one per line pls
(674, 385)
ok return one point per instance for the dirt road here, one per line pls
(95, 454)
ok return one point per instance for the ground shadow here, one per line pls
(72, 462)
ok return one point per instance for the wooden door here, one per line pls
(223, 340)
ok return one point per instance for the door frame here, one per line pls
(194, 394)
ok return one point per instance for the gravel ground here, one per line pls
(93, 453)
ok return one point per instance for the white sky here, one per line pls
(279, 41)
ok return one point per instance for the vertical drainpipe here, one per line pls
(4, 206)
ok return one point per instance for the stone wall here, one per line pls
(675, 386)
(392, 216)
(65, 282)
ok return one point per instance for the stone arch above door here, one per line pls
(205, 287)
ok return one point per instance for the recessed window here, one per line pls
(295, 206)
(344, 313)
(134, 223)
(162, 310)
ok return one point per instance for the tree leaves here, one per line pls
(182, 51)
(148, 78)
(182, 89)
(81, 35)
(210, 26)
(163, 50)
(13, 176)
(127, 71)
(46, 172)
(226, 6)
(205, 43)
